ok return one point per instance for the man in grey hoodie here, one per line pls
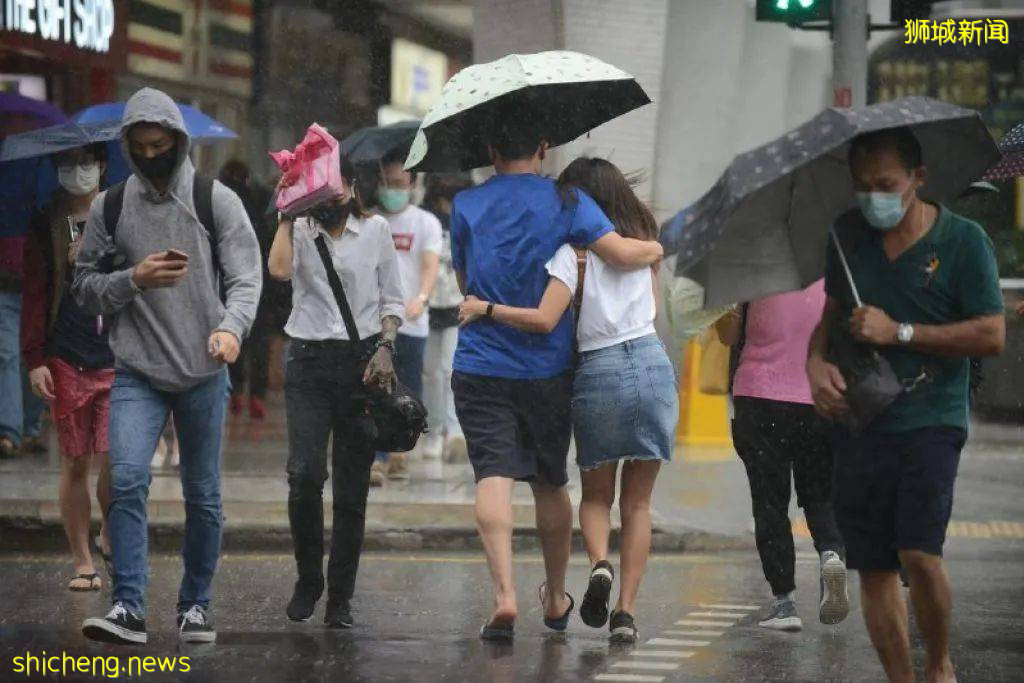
(159, 274)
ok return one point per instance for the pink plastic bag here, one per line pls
(312, 172)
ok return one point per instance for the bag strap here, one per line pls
(581, 275)
(113, 203)
(337, 289)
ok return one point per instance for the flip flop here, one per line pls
(108, 560)
(503, 633)
(559, 623)
(91, 578)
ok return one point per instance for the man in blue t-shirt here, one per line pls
(512, 389)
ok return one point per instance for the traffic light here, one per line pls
(794, 12)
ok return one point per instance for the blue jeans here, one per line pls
(408, 367)
(138, 413)
(11, 414)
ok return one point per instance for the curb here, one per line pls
(30, 533)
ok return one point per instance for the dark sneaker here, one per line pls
(782, 616)
(303, 602)
(594, 610)
(119, 626)
(835, 603)
(622, 627)
(338, 615)
(194, 626)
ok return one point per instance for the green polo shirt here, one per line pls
(949, 276)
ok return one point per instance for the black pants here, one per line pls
(773, 439)
(253, 363)
(322, 388)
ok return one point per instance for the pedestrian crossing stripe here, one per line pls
(956, 529)
(648, 666)
(747, 608)
(678, 643)
(703, 622)
(667, 654)
(717, 615)
(695, 634)
(629, 678)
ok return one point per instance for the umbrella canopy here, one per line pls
(568, 93)
(41, 113)
(1012, 163)
(370, 145)
(763, 226)
(100, 123)
(200, 127)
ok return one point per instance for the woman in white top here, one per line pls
(324, 385)
(625, 402)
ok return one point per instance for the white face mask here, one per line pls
(79, 180)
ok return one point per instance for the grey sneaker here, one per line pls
(782, 616)
(835, 602)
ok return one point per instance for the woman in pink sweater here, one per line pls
(778, 435)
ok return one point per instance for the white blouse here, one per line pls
(364, 257)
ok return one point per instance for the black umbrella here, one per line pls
(763, 226)
(370, 145)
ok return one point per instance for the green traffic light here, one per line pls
(784, 4)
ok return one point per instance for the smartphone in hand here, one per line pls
(175, 255)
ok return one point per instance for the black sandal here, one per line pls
(594, 609)
(91, 578)
(559, 623)
(498, 633)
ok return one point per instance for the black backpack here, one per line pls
(202, 199)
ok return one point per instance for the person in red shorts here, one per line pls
(65, 348)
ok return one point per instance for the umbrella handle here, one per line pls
(846, 266)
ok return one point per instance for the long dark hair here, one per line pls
(613, 192)
(348, 172)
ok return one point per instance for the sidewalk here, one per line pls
(700, 502)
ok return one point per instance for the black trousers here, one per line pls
(323, 384)
(775, 440)
(253, 362)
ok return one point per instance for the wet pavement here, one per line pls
(417, 616)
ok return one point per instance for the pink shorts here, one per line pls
(82, 409)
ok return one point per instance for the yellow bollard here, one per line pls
(703, 419)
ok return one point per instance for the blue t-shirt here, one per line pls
(503, 233)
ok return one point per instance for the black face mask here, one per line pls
(159, 167)
(331, 215)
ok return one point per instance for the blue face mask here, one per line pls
(392, 200)
(882, 210)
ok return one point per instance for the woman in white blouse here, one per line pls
(325, 378)
(625, 403)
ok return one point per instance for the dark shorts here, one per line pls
(516, 428)
(894, 492)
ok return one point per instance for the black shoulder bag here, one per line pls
(397, 418)
(871, 384)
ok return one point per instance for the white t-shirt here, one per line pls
(617, 305)
(414, 231)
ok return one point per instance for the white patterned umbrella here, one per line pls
(763, 227)
(567, 93)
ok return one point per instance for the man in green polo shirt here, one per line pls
(931, 296)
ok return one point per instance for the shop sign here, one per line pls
(85, 24)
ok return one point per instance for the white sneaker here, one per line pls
(455, 449)
(431, 446)
(835, 602)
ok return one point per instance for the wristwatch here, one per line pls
(490, 310)
(905, 333)
(385, 343)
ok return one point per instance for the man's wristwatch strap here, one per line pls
(490, 310)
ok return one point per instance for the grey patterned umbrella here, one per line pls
(762, 228)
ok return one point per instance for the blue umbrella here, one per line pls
(199, 126)
(46, 141)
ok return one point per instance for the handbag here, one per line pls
(393, 420)
(713, 374)
(312, 173)
(871, 383)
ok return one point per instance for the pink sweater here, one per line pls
(778, 331)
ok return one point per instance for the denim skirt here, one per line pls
(625, 403)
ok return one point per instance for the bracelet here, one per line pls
(490, 310)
